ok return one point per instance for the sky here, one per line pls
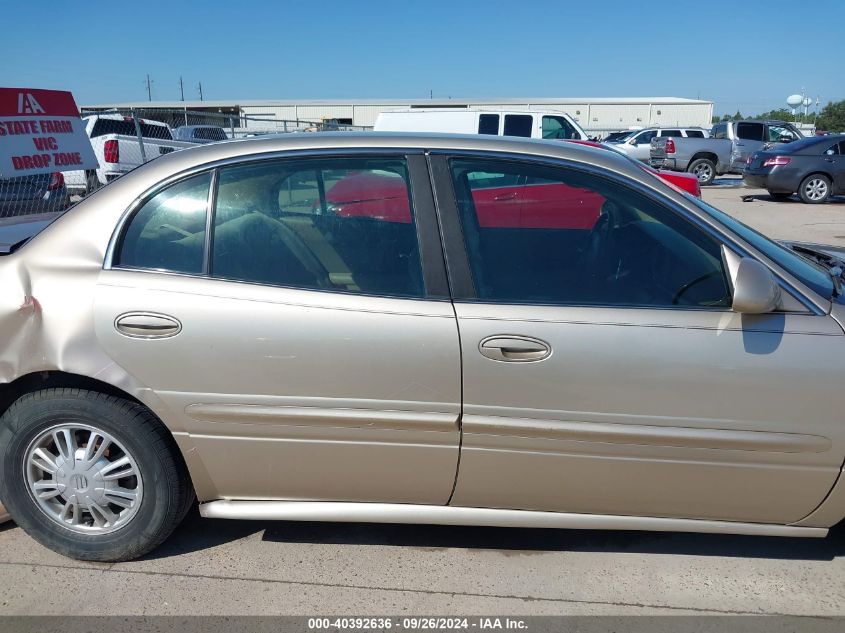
(745, 56)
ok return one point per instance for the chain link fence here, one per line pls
(125, 138)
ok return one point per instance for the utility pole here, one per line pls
(149, 88)
(181, 88)
(199, 87)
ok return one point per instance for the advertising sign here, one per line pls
(41, 132)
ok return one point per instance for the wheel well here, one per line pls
(818, 173)
(710, 157)
(10, 392)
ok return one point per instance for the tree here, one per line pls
(737, 117)
(832, 117)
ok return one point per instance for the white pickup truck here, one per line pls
(114, 138)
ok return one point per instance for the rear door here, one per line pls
(750, 137)
(604, 372)
(309, 350)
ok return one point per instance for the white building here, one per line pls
(597, 116)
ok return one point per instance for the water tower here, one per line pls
(793, 101)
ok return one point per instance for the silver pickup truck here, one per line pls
(726, 151)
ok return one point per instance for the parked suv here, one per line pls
(726, 151)
(637, 144)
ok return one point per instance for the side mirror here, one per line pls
(755, 288)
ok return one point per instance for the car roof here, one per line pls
(262, 146)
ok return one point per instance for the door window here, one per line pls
(562, 236)
(780, 134)
(518, 125)
(833, 150)
(720, 131)
(695, 134)
(488, 124)
(672, 133)
(344, 225)
(750, 131)
(168, 232)
(557, 127)
(645, 137)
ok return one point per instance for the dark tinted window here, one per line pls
(344, 225)
(842, 147)
(673, 133)
(210, 133)
(750, 131)
(695, 134)
(488, 124)
(557, 127)
(168, 232)
(720, 131)
(518, 125)
(833, 150)
(560, 236)
(127, 126)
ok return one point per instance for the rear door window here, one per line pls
(335, 224)
(168, 232)
(695, 134)
(750, 131)
(672, 133)
(720, 131)
(518, 125)
(488, 124)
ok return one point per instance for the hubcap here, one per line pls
(83, 479)
(703, 172)
(816, 189)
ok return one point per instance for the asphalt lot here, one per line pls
(227, 567)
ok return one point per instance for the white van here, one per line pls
(525, 123)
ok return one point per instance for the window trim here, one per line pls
(457, 258)
(432, 266)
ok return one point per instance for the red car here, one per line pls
(682, 180)
(384, 197)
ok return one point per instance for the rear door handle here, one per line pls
(147, 325)
(514, 349)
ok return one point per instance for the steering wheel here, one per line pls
(676, 300)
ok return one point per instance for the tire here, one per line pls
(136, 438)
(815, 189)
(704, 169)
(780, 196)
(92, 183)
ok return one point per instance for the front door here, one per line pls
(604, 371)
(309, 351)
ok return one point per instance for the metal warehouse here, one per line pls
(597, 116)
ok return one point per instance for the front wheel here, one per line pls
(815, 189)
(704, 169)
(89, 475)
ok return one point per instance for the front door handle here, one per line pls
(147, 325)
(514, 349)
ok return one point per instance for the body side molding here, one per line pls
(451, 515)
